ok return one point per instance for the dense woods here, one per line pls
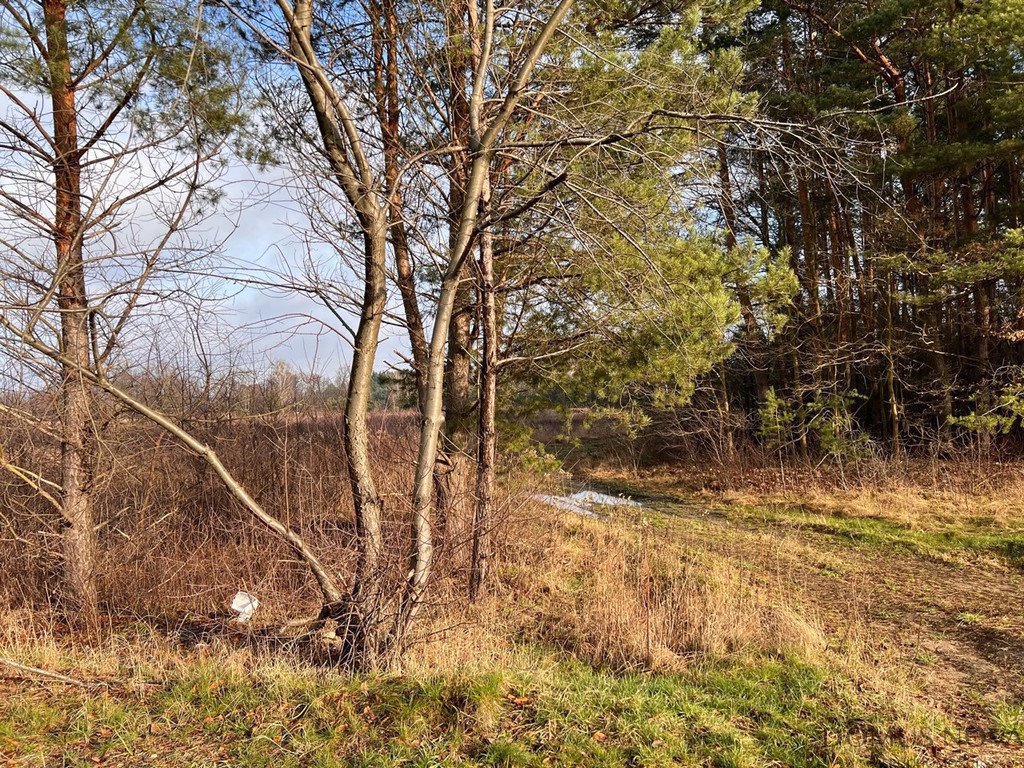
(906, 327)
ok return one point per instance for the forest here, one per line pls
(572, 382)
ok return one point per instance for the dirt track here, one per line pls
(954, 633)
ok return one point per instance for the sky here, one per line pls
(263, 228)
(259, 229)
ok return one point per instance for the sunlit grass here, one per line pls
(753, 712)
(1008, 722)
(946, 537)
(945, 544)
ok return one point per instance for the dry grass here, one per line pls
(222, 706)
(913, 507)
(613, 593)
(918, 494)
(645, 603)
(622, 594)
(173, 541)
(575, 607)
(557, 655)
(619, 593)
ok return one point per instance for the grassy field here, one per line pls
(705, 629)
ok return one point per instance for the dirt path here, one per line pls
(954, 634)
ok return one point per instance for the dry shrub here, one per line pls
(617, 592)
(171, 538)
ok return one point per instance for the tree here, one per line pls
(905, 269)
(374, 624)
(99, 189)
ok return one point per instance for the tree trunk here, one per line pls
(891, 395)
(752, 335)
(983, 310)
(726, 433)
(386, 40)
(363, 626)
(486, 432)
(453, 469)
(365, 637)
(77, 438)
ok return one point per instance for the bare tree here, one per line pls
(363, 162)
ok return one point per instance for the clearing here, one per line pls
(934, 604)
(921, 664)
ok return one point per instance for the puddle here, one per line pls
(584, 503)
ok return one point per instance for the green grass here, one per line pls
(969, 618)
(1008, 722)
(764, 712)
(948, 545)
(945, 544)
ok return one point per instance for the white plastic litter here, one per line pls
(244, 605)
(566, 503)
(583, 502)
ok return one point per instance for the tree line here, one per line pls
(905, 327)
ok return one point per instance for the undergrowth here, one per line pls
(608, 642)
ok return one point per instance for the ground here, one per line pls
(922, 665)
(939, 606)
